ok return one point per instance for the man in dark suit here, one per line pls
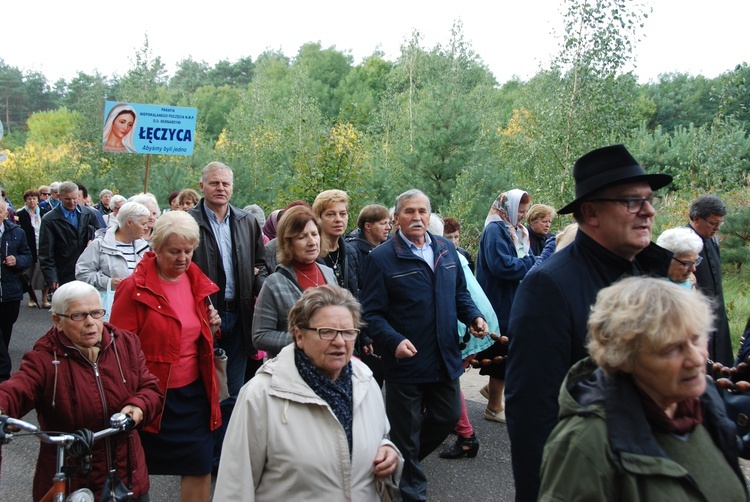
(706, 218)
(615, 209)
(65, 233)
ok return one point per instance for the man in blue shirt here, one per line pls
(64, 234)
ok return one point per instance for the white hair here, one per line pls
(71, 291)
(131, 211)
(436, 225)
(116, 199)
(680, 240)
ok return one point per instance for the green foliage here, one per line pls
(442, 115)
(324, 69)
(361, 90)
(733, 95)
(53, 127)
(701, 159)
(189, 77)
(735, 244)
(339, 162)
(736, 299)
(80, 89)
(22, 94)
(681, 100)
(476, 187)
(584, 101)
(237, 74)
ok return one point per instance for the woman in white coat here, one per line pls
(311, 425)
(112, 257)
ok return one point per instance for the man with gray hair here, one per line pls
(103, 205)
(414, 292)
(232, 255)
(706, 218)
(64, 234)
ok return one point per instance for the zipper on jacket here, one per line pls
(100, 388)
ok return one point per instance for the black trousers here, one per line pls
(421, 417)
(8, 316)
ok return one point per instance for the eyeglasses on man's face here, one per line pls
(80, 316)
(688, 264)
(714, 224)
(634, 204)
(328, 334)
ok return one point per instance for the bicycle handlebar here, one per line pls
(119, 422)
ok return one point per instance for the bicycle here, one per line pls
(77, 444)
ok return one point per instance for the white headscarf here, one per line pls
(509, 210)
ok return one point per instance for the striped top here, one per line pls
(128, 252)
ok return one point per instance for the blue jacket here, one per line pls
(13, 243)
(403, 298)
(500, 270)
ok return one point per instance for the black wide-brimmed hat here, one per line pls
(611, 165)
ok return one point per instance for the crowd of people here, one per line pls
(344, 351)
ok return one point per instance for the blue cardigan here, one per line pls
(500, 270)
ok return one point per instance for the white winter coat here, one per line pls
(284, 442)
(101, 260)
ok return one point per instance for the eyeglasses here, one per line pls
(635, 204)
(328, 334)
(688, 264)
(45, 193)
(80, 316)
(714, 224)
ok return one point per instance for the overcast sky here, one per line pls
(512, 37)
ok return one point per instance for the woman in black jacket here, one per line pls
(15, 257)
(30, 219)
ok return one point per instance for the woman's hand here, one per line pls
(133, 412)
(214, 319)
(386, 461)
(114, 282)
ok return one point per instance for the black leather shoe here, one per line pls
(462, 447)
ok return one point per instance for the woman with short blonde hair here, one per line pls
(331, 208)
(166, 303)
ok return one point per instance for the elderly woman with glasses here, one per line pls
(686, 246)
(639, 419)
(76, 376)
(311, 425)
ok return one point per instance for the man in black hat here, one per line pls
(615, 208)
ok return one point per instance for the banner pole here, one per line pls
(148, 168)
